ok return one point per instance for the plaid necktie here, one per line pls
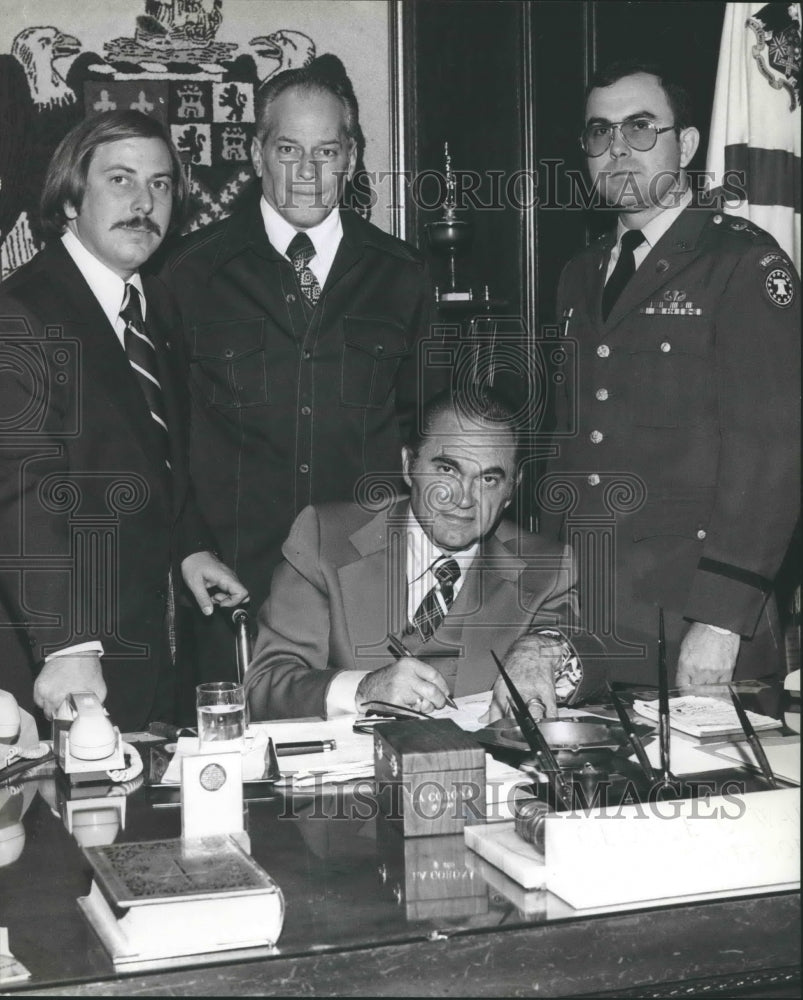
(430, 613)
(624, 270)
(142, 358)
(301, 251)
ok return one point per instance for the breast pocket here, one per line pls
(228, 362)
(373, 348)
(670, 371)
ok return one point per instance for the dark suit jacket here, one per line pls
(292, 406)
(341, 589)
(687, 397)
(90, 519)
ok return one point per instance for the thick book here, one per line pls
(165, 901)
(704, 717)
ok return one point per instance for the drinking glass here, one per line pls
(221, 716)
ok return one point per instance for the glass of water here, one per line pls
(221, 716)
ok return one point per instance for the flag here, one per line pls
(754, 147)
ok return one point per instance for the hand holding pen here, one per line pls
(409, 682)
(399, 650)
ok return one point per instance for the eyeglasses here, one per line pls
(640, 134)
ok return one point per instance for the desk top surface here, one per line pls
(349, 880)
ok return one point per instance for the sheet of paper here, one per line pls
(470, 708)
(783, 754)
(684, 757)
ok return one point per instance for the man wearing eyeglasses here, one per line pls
(681, 444)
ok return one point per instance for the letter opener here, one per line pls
(534, 737)
(753, 740)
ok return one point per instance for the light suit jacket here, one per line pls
(341, 589)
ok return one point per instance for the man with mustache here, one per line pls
(683, 437)
(97, 519)
(303, 323)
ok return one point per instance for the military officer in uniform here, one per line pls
(676, 477)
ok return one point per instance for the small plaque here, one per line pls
(211, 794)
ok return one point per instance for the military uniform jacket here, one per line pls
(682, 421)
(293, 405)
(91, 521)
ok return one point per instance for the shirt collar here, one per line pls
(107, 287)
(325, 235)
(656, 227)
(422, 551)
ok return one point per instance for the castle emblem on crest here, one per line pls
(777, 49)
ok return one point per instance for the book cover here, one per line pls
(701, 716)
(171, 899)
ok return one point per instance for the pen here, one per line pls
(399, 650)
(304, 746)
(753, 740)
(632, 735)
(534, 738)
(663, 702)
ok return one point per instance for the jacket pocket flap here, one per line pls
(227, 340)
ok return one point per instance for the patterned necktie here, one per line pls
(301, 251)
(430, 613)
(624, 270)
(142, 357)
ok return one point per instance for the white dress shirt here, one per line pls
(652, 232)
(421, 553)
(326, 237)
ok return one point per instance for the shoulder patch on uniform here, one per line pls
(779, 286)
(771, 258)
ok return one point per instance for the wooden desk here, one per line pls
(370, 914)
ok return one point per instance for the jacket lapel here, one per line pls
(662, 263)
(106, 371)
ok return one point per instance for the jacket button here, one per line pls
(290, 298)
(666, 347)
(601, 394)
(701, 534)
(303, 467)
(306, 411)
(596, 437)
(593, 479)
(603, 351)
(306, 355)
(228, 353)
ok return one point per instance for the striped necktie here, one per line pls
(301, 251)
(430, 613)
(142, 358)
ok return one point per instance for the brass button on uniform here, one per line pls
(701, 534)
(666, 347)
(603, 351)
(228, 353)
(306, 355)
(379, 349)
(306, 410)
(303, 467)
(596, 437)
(290, 298)
(602, 395)
(593, 479)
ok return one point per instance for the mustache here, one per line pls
(139, 222)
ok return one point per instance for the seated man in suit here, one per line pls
(441, 570)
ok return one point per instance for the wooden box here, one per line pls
(429, 876)
(430, 776)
